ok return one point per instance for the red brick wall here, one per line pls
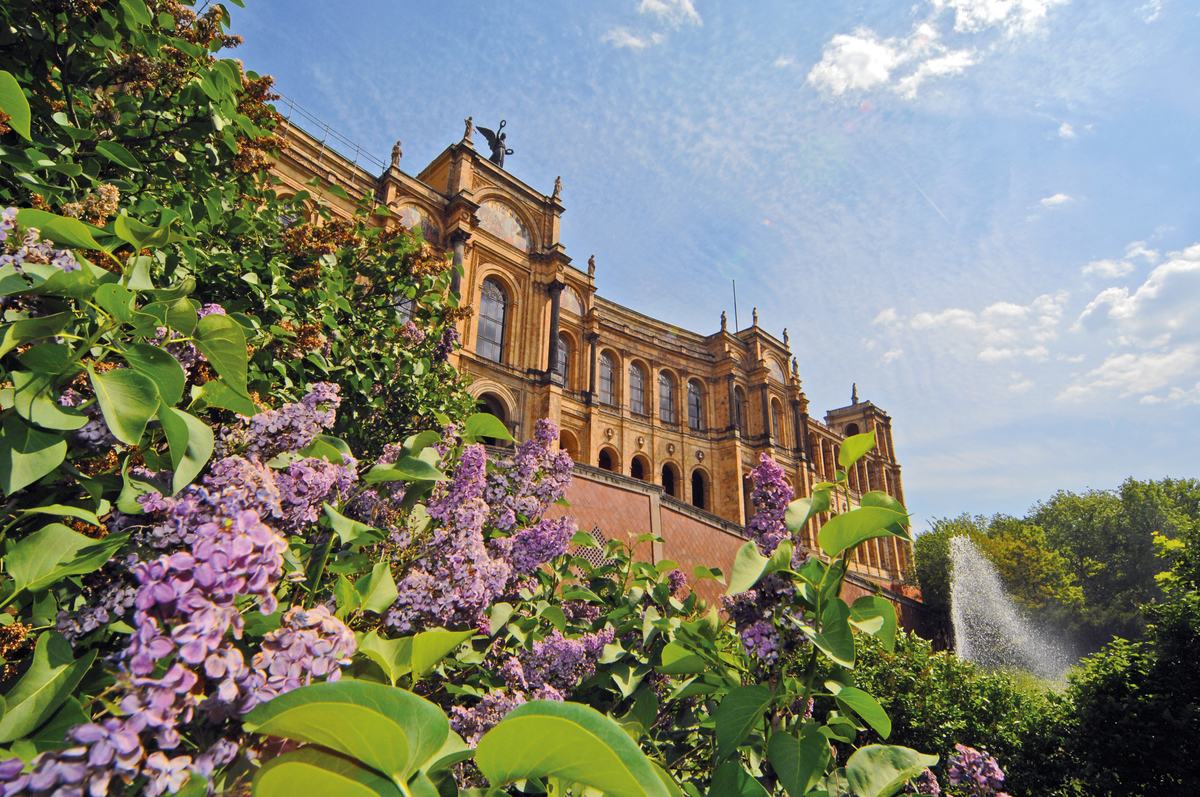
(691, 542)
(619, 514)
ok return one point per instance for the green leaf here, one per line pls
(222, 341)
(430, 647)
(731, 780)
(835, 640)
(749, 566)
(32, 399)
(177, 314)
(311, 770)
(117, 301)
(801, 510)
(844, 531)
(394, 656)
(191, 442)
(350, 531)
(867, 707)
(678, 660)
(701, 573)
(140, 236)
(13, 103)
(483, 424)
(672, 787)
(44, 687)
(50, 736)
(61, 510)
(870, 610)
(128, 400)
(377, 590)
(405, 469)
(216, 393)
(27, 454)
(739, 713)
(55, 552)
(118, 155)
(880, 498)
(568, 741)
(30, 329)
(159, 367)
(387, 728)
(799, 763)
(320, 449)
(854, 447)
(881, 771)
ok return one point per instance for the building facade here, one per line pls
(684, 413)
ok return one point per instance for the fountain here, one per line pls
(989, 628)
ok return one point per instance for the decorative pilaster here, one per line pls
(555, 290)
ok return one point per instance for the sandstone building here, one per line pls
(664, 423)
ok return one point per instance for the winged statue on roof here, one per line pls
(496, 141)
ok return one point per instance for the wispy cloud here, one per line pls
(621, 37)
(1066, 131)
(783, 61)
(891, 354)
(864, 60)
(1056, 200)
(1119, 268)
(1136, 372)
(673, 12)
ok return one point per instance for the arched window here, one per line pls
(492, 311)
(637, 468)
(698, 491)
(637, 389)
(669, 480)
(605, 460)
(570, 302)
(405, 308)
(851, 430)
(608, 379)
(695, 408)
(562, 364)
(740, 409)
(776, 426)
(666, 397)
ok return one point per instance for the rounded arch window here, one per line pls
(562, 358)
(504, 223)
(637, 389)
(695, 406)
(568, 442)
(607, 460)
(637, 468)
(569, 300)
(608, 378)
(670, 480)
(851, 429)
(666, 397)
(699, 489)
(493, 309)
(776, 370)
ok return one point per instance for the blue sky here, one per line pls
(984, 212)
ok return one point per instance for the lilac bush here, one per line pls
(975, 772)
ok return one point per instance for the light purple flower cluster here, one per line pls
(762, 640)
(412, 333)
(521, 489)
(309, 482)
(112, 601)
(676, 582)
(309, 642)
(563, 662)
(975, 772)
(446, 345)
(925, 783)
(93, 435)
(292, 427)
(472, 723)
(771, 497)
(30, 250)
(100, 752)
(532, 547)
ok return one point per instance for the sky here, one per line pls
(986, 213)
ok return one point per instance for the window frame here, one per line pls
(696, 419)
(637, 389)
(666, 397)
(483, 342)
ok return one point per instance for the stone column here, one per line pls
(458, 239)
(732, 404)
(768, 427)
(555, 289)
(592, 338)
(801, 433)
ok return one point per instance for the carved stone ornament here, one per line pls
(608, 433)
(670, 448)
(641, 441)
(700, 455)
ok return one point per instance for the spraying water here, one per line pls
(989, 629)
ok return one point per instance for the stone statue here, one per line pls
(396, 155)
(496, 141)
(854, 393)
(558, 189)
(754, 315)
(795, 367)
(470, 125)
(592, 266)
(785, 337)
(724, 322)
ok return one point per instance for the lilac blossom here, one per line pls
(762, 640)
(97, 753)
(31, 250)
(771, 497)
(924, 783)
(535, 545)
(292, 427)
(563, 662)
(676, 582)
(446, 344)
(412, 333)
(309, 642)
(472, 723)
(975, 772)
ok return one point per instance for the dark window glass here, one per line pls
(637, 389)
(608, 379)
(562, 365)
(492, 311)
(666, 397)
(695, 408)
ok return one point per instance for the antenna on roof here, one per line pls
(736, 325)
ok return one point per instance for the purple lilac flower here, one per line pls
(98, 752)
(676, 582)
(578, 611)
(309, 642)
(564, 662)
(771, 497)
(925, 783)
(412, 333)
(31, 250)
(535, 545)
(762, 640)
(446, 345)
(167, 774)
(292, 427)
(975, 772)
(307, 483)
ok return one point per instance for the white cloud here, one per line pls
(1151, 10)
(952, 63)
(859, 61)
(1185, 396)
(888, 316)
(1066, 131)
(992, 354)
(620, 37)
(1165, 307)
(1003, 323)
(1020, 385)
(673, 12)
(1015, 16)
(1140, 372)
(1056, 200)
(892, 354)
(783, 61)
(1119, 268)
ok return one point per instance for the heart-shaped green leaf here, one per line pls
(749, 566)
(158, 366)
(223, 342)
(844, 531)
(312, 770)
(13, 103)
(27, 454)
(128, 400)
(799, 763)
(50, 679)
(482, 424)
(871, 608)
(854, 447)
(377, 590)
(430, 647)
(739, 713)
(802, 509)
(866, 707)
(55, 552)
(880, 770)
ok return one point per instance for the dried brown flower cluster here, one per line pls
(454, 314)
(308, 240)
(105, 463)
(4, 120)
(90, 531)
(97, 206)
(13, 639)
(424, 261)
(308, 338)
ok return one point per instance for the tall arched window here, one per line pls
(776, 426)
(492, 311)
(695, 408)
(562, 365)
(637, 389)
(608, 379)
(666, 397)
(740, 409)
(698, 496)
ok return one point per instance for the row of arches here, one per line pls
(669, 476)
